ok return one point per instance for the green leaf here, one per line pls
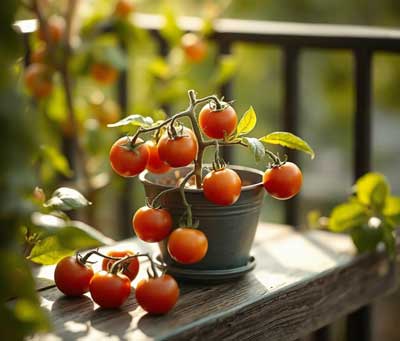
(256, 147)
(288, 140)
(56, 160)
(226, 69)
(391, 210)
(111, 55)
(347, 216)
(62, 238)
(373, 190)
(366, 238)
(389, 238)
(160, 68)
(133, 120)
(247, 122)
(171, 31)
(66, 199)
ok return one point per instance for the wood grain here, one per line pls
(302, 281)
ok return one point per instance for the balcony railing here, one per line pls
(292, 39)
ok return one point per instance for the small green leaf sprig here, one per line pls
(370, 216)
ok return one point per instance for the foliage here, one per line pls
(370, 216)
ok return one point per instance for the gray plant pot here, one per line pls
(230, 229)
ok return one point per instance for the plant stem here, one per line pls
(189, 217)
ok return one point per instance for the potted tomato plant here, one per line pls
(204, 217)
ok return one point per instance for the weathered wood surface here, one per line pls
(302, 281)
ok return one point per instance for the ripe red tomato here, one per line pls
(38, 79)
(157, 295)
(127, 162)
(55, 28)
(123, 8)
(155, 164)
(217, 123)
(283, 182)
(133, 268)
(222, 187)
(195, 47)
(152, 224)
(71, 277)
(109, 290)
(187, 245)
(180, 151)
(104, 73)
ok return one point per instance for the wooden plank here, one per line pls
(302, 281)
(273, 32)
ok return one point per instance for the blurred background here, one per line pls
(137, 72)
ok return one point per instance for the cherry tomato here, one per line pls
(187, 245)
(38, 79)
(123, 8)
(110, 290)
(157, 295)
(217, 123)
(283, 182)
(104, 73)
(133, 268)
(180, 151)
(55, 29)
(155, 164)
(127, 162)
(195, 47)
(71, 277)
(152, 224)
(222, 187)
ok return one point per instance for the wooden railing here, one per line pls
(292, 39)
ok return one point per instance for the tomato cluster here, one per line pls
(111, 287)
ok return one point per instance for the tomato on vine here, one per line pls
(55, 29)
(155, 164)
(132, 268)
(222, 186)
(127, 160)
(152, 224)
(157, 295)
(187, 245)
(104, 73)
(72, 277)
(110, 290)
(217, 123)
(284, 181)
(194, 47)
(38, 79)
(124, 8)
(180, 150)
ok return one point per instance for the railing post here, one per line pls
(225, 48)
(290, 116)
(359, 323)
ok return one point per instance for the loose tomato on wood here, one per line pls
(38, 79)
(283, 182)
(157, 295)
(187, 245)
(110, 290)
(104, 73)
(178, 151)
(131, 270)
(155, 164)
(71, 277)
(152, 224)
(195, 47)
(217, 123)
(127, 162)
(222, 187)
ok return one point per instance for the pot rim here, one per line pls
(144, 180)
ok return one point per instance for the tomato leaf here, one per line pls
(66, 199)
(133, 120)
(391, 210)
(56, 160)
(255, 146)
(366, 238)
(347, 216)
(60, 238)
(389, 239)
(247, 122)
(373, 190)
(171, 31)
(288, 140)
